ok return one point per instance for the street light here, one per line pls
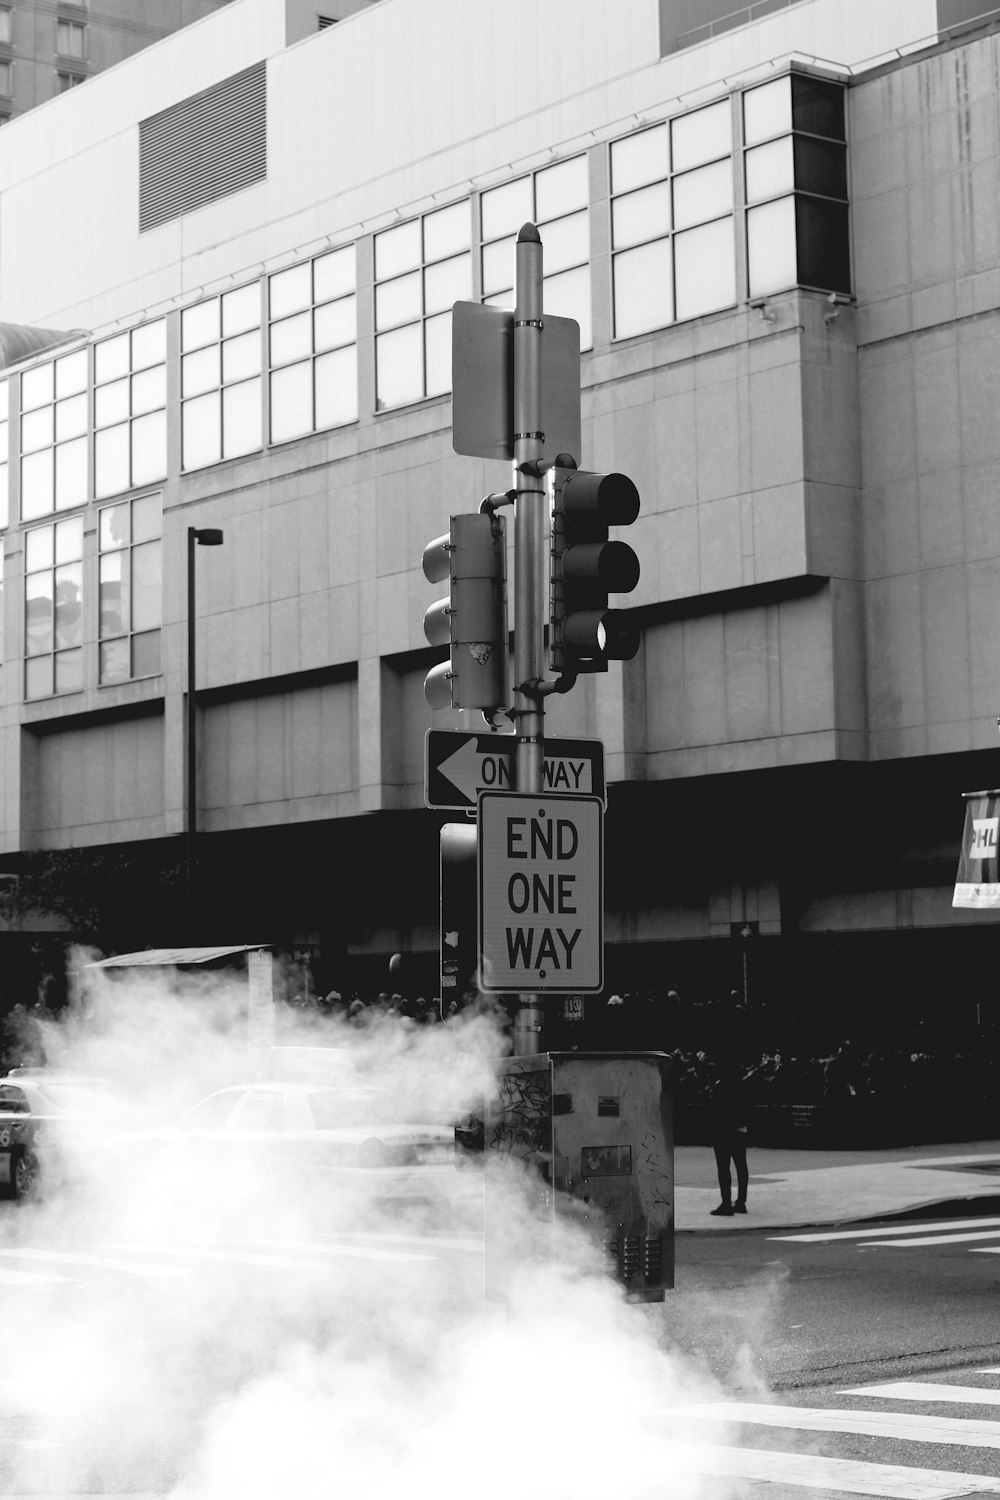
(207, 536)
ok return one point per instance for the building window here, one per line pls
(5, 77)
(53, 608)
(421, 268)
(6, 26)
(556, 200)
(67, 81)
(4, 452)
(674, 254)
(130, 419)
(54, 436)
(70, 38)
(220, 377)
(312, 338)
(795, 173)
(131, 589)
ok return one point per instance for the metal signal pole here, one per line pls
(530, 560)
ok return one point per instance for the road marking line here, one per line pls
(31, 1278)
(103, 1263)
(281, 1262)
(968, 1433)
(813, 1471)
(863, 1234)
(916, 1390)
(939, 1239)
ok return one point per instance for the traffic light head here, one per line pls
(472, 620)
(584, 634)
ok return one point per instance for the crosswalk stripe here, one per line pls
(814, 1471)
(102, 1262)
(939, 1239)
(863, 1234)
(967, 1432)
(915, 1390)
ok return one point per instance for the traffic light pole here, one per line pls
(530, 560)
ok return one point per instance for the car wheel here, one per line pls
(24, 1175)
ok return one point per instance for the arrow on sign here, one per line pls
(472, 770)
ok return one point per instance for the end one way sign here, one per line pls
(541, 893)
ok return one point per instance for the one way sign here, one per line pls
(460, 766)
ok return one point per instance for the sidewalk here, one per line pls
(792, 1188)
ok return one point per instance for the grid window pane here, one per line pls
(201, 431)
(643, 289)
(334, 274)
(705, 269)
(241, 418)
(291, 402)
(241, 356)
(38, 677)
(702, 135)
(504, 209)
(771, 262)
(337, 387)
(37, 492)
(114, 661)
(111, 467)
(447, 231)
(291, 339)
(241, 309)
(438, 335)
(568, 296)
(147, 517)
(200, 325)
(639, 159)
(69, 540)
(400, 366)
(69, 605)
(114, 529)
(147, 586)
(498, 266)
(71, 374)
(71, 474)
(447, 282)
(39, 549)
(398, 301)
(770, 170)
(290, 291)
(111, 359)
(565, 242)
(767, 111)
(562, 188)
(111, 403)
(69, 671)
(71, 418)
(642, 215)
(704, 194)
(37, 387)
(36, 429)
(149, 345)
(113, 605)
(38, 614)
(149, 448)
(397, 250)
(200, 371)
(149, 390)
(336, 323)
(146, 654)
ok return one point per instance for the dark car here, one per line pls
(49, 1123)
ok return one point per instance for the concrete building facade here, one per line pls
(781, 241)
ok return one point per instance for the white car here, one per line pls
(301, 1141)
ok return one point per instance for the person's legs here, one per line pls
(725, 1176)
(739, 1155)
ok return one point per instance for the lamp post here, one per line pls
(207, 536)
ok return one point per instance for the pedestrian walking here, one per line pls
(730, 1129)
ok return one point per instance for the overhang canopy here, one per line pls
(168, 958)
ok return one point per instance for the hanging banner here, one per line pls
(978, 881)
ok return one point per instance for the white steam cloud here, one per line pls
(260, 1340)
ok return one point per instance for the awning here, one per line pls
(170, 958)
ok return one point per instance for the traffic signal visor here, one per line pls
(584, 633)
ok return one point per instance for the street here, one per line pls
(849, 1358)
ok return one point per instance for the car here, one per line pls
(294, 1142)
(336, 1066)
(49, 1122)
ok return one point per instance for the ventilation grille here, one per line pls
(325, 21)
(204, 148)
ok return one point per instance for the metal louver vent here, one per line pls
(204, 148)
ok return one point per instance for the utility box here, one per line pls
(593, 1131)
